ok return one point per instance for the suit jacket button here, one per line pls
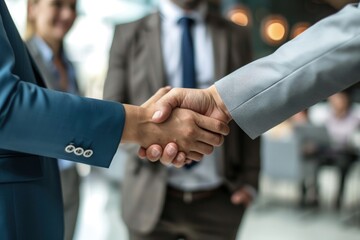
(88, 153)
(79, 151)
(69, 148)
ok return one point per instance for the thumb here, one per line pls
(161, 92)
(162, 113)
(165, 105)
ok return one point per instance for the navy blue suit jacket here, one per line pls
(36, 125)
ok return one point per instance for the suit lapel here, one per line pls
(152, 43)
(220, 46)
(38, 77)
(43, 77)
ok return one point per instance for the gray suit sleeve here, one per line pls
(321, 61)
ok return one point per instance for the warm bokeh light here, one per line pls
(240, 15)
(298, 28)
(274, 29)
(240, 18)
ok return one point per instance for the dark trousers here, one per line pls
(210, 218)
(342, 160)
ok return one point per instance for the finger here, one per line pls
(142, 153)
(195, 156)
(188, 161)
(212, 124)
(169, 154)
(209, 138)
(166, 104)
(179, 160)
(160, 93)
(201, 148)
(154, 152)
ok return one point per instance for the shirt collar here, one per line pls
(44, 50)
(172, 13)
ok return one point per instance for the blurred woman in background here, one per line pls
(48, 22)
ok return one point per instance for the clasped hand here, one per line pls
(177, 126)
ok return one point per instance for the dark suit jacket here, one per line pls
(36, 125)
(70, 179)
(136, 72)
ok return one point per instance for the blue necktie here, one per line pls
(187, 53)
(188, 61)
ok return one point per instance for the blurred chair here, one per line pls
(281, 158)
(284, 157)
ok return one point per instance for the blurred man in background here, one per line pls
(183, 45)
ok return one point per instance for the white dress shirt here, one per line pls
(205, 174)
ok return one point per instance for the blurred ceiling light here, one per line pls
(298, 28)
(240, 15)
(274, 29)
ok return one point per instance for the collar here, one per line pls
(44, 49)
(170, 12)
(46, 52)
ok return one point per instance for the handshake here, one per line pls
(177, 125)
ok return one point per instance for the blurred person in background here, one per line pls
(206, 200)
(342, 122)
(48, 22)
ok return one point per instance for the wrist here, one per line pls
(135, 117)
(219, 102)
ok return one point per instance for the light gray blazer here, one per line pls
(321, 61)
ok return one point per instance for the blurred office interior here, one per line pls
(277, 212)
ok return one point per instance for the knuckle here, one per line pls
(187, 116)
(190, 133)
(162, 90)
(175, 91)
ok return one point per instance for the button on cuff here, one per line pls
(88, 153)
(79, 151)
(69, 148)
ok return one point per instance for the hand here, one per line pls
(184, 127)
(242, 196)
(204, 101)
(170, 154)
(155, 152)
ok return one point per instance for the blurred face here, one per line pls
(340, 102)
(187, 4)
(52, 18)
